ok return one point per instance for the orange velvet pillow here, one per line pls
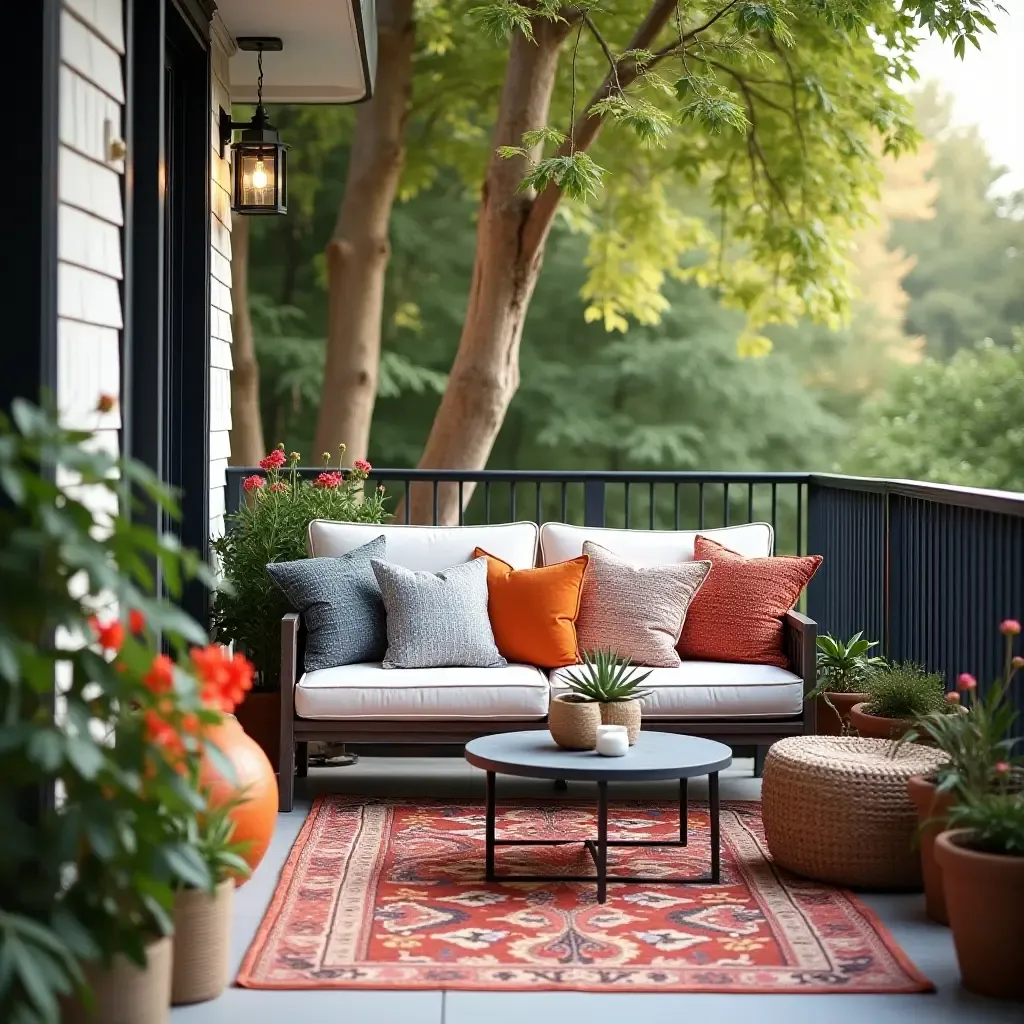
(737, 615)
(533, 611)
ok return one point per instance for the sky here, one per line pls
(987, 87)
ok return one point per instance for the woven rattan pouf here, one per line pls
(835, 808)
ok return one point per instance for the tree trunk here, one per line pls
(485, 373)
(358, 253)
(246, 427)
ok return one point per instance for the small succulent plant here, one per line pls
(606, 679)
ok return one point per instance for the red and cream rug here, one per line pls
(390, 894)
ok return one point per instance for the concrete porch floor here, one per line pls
(928, 945)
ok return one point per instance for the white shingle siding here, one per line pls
(221, 47)
(104, 17)
(89, 186)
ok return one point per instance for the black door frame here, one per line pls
(166, 341)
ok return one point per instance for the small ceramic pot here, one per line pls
(984, 896)
(933, 808)
(573, 723)
(876, 727)
(125, 993)
(830, 721)
(623, 712)
(202, 943)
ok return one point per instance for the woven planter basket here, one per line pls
(836, 809)
(623, 712)
(202, 943)
(573, 724)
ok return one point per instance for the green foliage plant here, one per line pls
(844, 667)
(212, 835)
(904, 690)
(606, 679)
(979, 744)
(271, 526)
(92, 781)
(995, 820)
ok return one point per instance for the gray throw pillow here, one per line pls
(340, 604)
(437, 619)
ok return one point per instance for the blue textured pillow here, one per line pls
(341, 605)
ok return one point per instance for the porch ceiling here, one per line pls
(324, 45)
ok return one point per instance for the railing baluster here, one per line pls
(725, 503)
(408, 503)
(700, 506)
(435, 503)
(652, 504)
(512, 501)
(540, 507)
(565, 501)
(799, 519)
(487, 502)
(461, 520)
(675, 505)
(775, 508)
(626, 504)
(750, 503)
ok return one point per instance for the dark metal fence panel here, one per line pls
(848, 529)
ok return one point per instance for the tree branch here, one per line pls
(586, 128)
(589, 22)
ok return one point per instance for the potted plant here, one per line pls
(897, 696)
(271, 526)
(843, 670)
(613, 686)
(977, 745)
(88, 854)
(982, 863)
(202, 912)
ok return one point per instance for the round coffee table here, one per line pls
(654, 756)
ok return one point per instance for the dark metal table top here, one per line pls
(655, 755)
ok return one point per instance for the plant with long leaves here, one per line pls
(995, 820)
(606, 678)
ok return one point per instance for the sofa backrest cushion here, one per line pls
(559, 542)
(428, 548)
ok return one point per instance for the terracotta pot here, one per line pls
(253, 778)
(573, 724)
(930, 805)
(623, 712)
(202, 943)
(260, 716)
(826, 720)
(125, 993)
(984, 897)
(876, 727)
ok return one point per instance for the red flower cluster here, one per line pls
(160, 677)
(136, 621)
(362, 466)
(328, 481)
(278, 487)
(275, 460)
(254, 482)
(110, 636)
(965, 681)
(224, 680)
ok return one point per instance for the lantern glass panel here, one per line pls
(258, 177)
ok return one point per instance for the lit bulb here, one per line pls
(259, 175)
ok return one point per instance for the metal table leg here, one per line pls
(684, 810)
(489, 830)
(716, 830)
(602, 841)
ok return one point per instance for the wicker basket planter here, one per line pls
(836, 809)
(202, 943)
(623, 712)
(573, 723)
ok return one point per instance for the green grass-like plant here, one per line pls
(606, 679)
(996, 821)
(905, 690)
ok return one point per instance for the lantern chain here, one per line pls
(259, 81)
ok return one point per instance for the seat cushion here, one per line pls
(714, 689)
(429, 548)
(369, 691)
(559, 542)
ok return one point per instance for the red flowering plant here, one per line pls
(979, 744)
(271, 526)
(107, 688)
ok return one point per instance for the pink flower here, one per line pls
(953, 697)
(1002, 768)
(364, 467)
(965, 681)
(1009, 627)
(1017, 662)
(328, 481)
(279, 486)
(275, 460)
(253, 483)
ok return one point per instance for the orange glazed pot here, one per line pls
(826, 720)
(932, 807)
(876, 727)
(253, 780)
(984, 896)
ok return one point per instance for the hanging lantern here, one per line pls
(259, 159)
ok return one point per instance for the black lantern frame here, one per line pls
(259, 159)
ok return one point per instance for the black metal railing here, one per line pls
(928, 570)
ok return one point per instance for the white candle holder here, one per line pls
(612, 740)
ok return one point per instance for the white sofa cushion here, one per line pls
(429, 548)
(369, 691)
(559, 542)
(713, 689)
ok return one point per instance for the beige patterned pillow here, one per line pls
(636, 612)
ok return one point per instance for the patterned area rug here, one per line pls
(390, 894)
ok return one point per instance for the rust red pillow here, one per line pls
(737, 615)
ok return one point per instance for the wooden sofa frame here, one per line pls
(411, 737)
